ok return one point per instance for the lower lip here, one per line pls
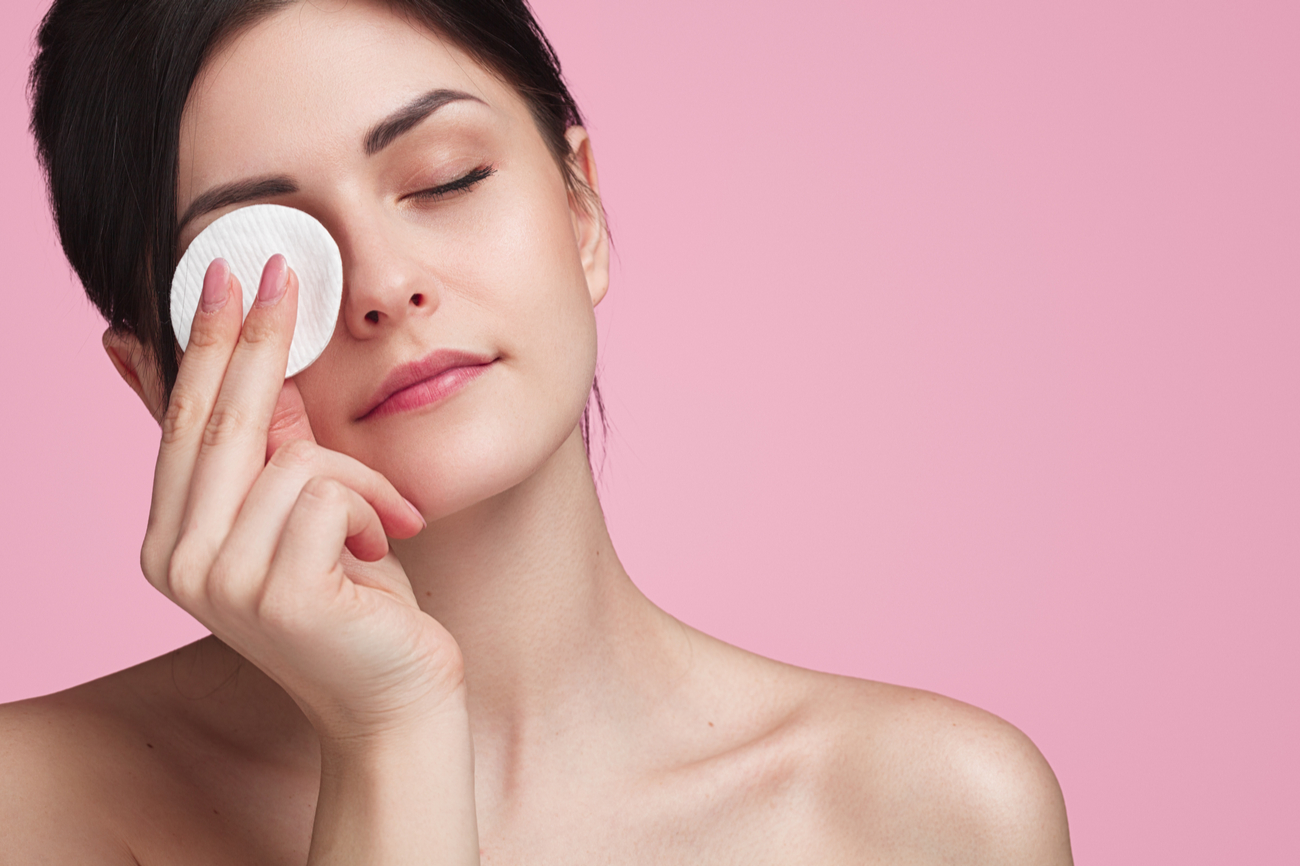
(428, 391)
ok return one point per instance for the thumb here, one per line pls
(289, 421)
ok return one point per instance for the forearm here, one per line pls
(403, 798)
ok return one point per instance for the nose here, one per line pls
(382, 284)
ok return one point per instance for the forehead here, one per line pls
(301, 87)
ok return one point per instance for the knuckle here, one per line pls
(227, 422)
(260, 331)
(288, 420)
(204, 334)
(153, 560)
(325, 490)
(377, 481)
(183, 575)
(184, 414)
(294, 455)
(223, 589)
(274, 611)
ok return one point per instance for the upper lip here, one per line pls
(406, 375)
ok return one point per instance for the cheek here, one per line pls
(542, 291)
(514, 286)
(524, 281)
(329, 397)
(522, 269)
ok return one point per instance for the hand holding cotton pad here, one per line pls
(246, 238)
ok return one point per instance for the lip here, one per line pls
(430, 379)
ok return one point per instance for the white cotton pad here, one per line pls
(246, 238)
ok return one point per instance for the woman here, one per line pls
(424, 646)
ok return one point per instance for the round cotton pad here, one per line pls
(246, 238)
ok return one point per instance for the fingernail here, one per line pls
(411, 506)
(275, 278)
(216, 286)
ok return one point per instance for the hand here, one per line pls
(279, 545)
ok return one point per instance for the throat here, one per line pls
(529, 585)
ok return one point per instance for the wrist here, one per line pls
(400, 792)
(344, 731)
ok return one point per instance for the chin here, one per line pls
(490, 438)
(455, 467)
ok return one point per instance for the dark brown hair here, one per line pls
(108, 87)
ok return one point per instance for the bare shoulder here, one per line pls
(855, 771)
(909, 775)
(175, 759)
(55, 780)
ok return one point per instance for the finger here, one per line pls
(324, 519)
(289, 420)
(326, 516)
(233, 448)
(385, 574)
(289, 423)
(256, 533)
(213, 335)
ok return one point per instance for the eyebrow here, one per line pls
(380, 136)
(383, 134)
(237, 193)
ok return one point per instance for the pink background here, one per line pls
(951, 345)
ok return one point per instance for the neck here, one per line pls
(561, 651)
(547, 620)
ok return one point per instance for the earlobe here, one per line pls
(136, 365)
(588, 216)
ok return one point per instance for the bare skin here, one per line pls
(481, 679)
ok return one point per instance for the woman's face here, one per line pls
(325, 107)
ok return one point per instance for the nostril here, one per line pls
(373, 317)
(417, 299)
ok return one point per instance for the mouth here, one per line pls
(429, 380)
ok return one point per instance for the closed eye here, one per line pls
(464, 182)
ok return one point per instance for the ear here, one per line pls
(136, 365)
(588, 216)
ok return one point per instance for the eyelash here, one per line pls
(464, 182)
